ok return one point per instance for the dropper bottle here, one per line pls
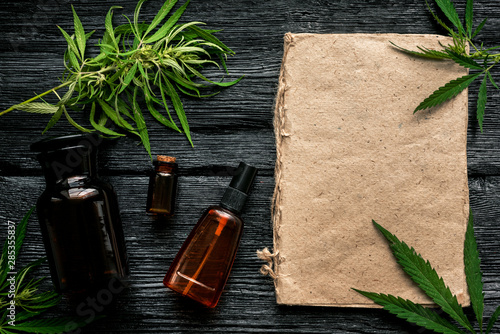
(202, 265)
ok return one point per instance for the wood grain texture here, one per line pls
(232, 126)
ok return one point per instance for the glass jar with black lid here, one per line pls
(79, 216)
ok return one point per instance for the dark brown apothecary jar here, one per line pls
(79, 216)
(162, 190)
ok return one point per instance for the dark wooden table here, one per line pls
(233, 126)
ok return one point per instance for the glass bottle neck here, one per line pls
(64, 163)
(165, 167)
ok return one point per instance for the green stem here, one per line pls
(53, 90)
(491, 66)
(472, 44)
(36, 97)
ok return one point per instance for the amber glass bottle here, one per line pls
(162, 187)
(202, 265)
(79, 216)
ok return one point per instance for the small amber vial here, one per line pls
(162, 187)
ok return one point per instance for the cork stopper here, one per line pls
(165, 158)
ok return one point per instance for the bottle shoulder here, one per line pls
(78, 188)
(216, 210)
(80, 181)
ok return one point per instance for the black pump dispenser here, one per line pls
(236, 194)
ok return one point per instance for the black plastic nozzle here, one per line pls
(236, 194)
(243, 179)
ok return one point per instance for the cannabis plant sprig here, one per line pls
(29, 302)
(480, 61)
(138, 64)
(422, 273)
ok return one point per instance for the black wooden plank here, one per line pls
(219, 146)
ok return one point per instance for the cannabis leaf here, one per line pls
(138, 64)
(480, 61)
(473, 274)
(424, 275)
(29, 302)
(411, 312)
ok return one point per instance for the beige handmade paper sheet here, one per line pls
(351, 150)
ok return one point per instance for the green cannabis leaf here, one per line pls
(29, 302)
(152, 64)
(480, 61)
(422, 273)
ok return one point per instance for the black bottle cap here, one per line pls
(243, 178)
(68, 155)
(236, 194)
(57, 143)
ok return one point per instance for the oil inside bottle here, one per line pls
(162, 188)
(206, 258)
